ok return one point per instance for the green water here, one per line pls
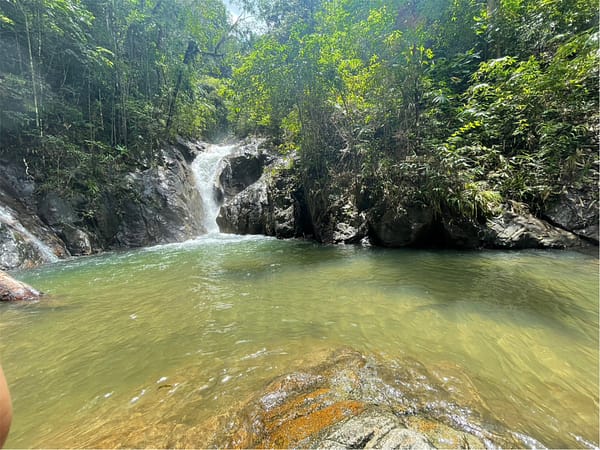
(160, 340)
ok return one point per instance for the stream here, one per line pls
(211, 321)
(132, 348)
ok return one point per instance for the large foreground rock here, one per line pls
(354, 401)
(13, 290)
(332, 399)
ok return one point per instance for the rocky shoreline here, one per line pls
(262, 193)
(277, 202)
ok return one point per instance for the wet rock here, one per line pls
(159, 205)
(513, 230)
(189, 149)
(247, 212)
(13, 290)
(272, 205)
(375, 428)
(334, 215)
(25, 242)
(353, 401)
(288, 215)
(402, 226)
(242, 169)
(576, 211)
(461, 233)
(63, 217)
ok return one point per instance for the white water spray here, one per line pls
(205, 168)
(7, 218)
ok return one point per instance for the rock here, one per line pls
(375, 428)
(159, 205)
(24, 240)
(402, 226)
(14, 290)
(78, 242)
(241, 170)
(64, 219)
(188, 149)
(575, 211)
(461, 233)
(288, 215)
(247, 212)
(354, 401)
(272, 205)
(512, 230)
(335, 218)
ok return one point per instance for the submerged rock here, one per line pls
(13, 290)
(354, 401)
(374, 428)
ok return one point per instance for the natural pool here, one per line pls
(210, 321)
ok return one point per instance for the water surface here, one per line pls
(209, 322)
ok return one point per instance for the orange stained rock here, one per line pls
(290, 433)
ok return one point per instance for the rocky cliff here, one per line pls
(279, 201)
(157, 204)
(262, 193)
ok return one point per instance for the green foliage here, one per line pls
(81, 80)
(457, 105)
(529, 126)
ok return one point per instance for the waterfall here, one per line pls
(205, 168)
(7, 218)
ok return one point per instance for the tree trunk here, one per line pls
(32, 70)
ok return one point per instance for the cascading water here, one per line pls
(205, 168)
(7, 218)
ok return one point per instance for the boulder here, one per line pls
(14, 290)
(157, 205)
(288, 215)
(334, 216)
(373, 428)
(513, 230)
(575, 211)
(63, 217)
(246, 212)
(402, 226)
(25, 241)
(240, 170)
(355, 401)
(272, 205)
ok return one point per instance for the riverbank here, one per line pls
(252, 189)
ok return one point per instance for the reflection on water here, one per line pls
(211, 321)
